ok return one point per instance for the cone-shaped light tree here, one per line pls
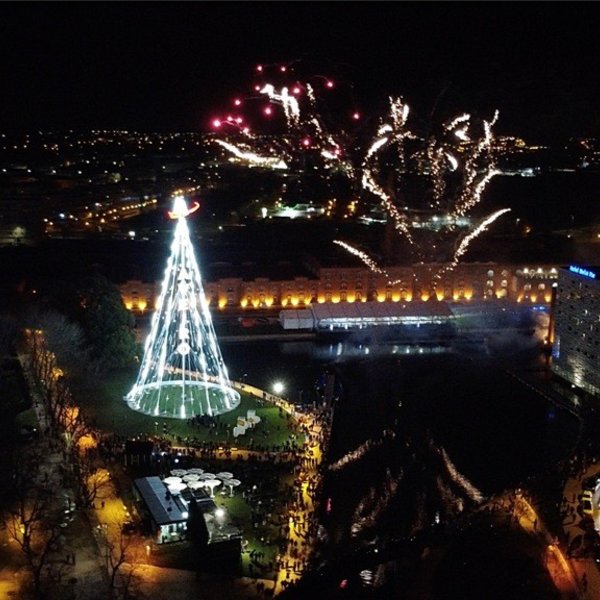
(182, 373)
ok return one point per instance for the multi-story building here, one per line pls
(576, 347)
(468, 281)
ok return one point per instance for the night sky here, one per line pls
(170, 66)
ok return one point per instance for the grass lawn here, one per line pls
(104, 407)
(182, 555)
(200, 400)
(240, 514)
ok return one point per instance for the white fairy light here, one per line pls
(182, 372)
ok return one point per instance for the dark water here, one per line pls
(496, 430)
(428, 419)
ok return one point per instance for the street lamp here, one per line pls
(278, 387)
(220, 513)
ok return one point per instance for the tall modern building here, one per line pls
(182, 373)
(576, 349)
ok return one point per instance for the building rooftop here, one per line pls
(163, 506)
(365, 314)
(375, 311)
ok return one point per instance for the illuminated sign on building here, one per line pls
(582, 271)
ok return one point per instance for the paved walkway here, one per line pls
(83, 579)
(586, 569)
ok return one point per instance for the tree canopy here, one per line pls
(107, 324)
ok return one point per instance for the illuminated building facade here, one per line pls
(576, 348)
(530, 284)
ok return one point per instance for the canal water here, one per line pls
(496, 430)
(419, 431)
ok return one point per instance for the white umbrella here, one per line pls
(191, 477)
(177, 488)
(208, 475)
(196, 470)
(172, 480)
(195, 485)
(178, 472)
(212, 484)
(232, 483)
(224, 475)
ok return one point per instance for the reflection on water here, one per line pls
(347, 350)
(494, 429)
(421, 432)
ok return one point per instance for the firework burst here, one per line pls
(292, 107)
(428, 185)
(458, 164)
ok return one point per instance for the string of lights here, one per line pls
(182, 373)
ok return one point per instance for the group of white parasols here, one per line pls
(195, 479)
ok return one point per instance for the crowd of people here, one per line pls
(302, 507)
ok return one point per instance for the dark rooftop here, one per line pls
(163, 506)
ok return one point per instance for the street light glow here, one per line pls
(278, 387)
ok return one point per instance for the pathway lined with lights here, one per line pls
(586, 569)
(111, 512)
(86, 575)
(301, 531)
(300, 534)
(560, 569)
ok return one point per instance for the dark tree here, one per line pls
(8, 334)
(124, 555)
(33, 522)
(107, 324)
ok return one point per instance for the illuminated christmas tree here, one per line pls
(182, 373)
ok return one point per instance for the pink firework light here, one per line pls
(455, 150)
(231, 120)
(295, 97)
(305, 129)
